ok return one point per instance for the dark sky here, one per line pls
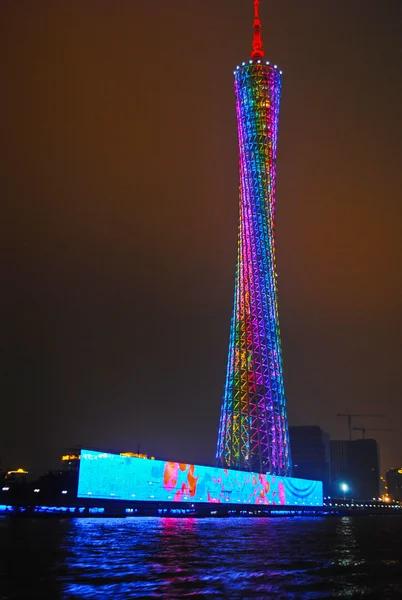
(119, 174)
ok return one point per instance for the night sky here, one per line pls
(119, 189)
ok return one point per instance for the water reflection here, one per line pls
(288, 558)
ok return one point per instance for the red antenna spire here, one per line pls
(257, 51)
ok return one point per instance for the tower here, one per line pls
(253, 429)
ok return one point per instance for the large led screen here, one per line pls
(111, 476)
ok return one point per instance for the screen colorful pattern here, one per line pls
(111, 476)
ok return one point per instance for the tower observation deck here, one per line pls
(253, 429)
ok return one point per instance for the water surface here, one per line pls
(238, 558)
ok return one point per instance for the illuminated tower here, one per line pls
(253, 430)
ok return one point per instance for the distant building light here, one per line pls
(133, 455)
(70, 457)
(18, 472)
(344, 487)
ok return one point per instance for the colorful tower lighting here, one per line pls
(253, 430)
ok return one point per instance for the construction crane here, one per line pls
(364, 429)
(350, 415)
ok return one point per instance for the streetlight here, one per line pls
(344, 488)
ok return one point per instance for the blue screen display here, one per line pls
(111, 476)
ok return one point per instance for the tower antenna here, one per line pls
(257, 51)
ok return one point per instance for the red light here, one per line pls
(257, 51)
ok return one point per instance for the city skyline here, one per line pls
(120, 178)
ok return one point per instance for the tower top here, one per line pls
(257, 51)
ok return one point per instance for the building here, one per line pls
(17, 476)
(394, 484)
(339, 467)
(71, 460)
(310, 454)
(253, 429)
(355, 469)
(108, 476)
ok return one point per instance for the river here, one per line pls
(225, 558)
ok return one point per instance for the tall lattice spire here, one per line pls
(253, 430)
(257, 51)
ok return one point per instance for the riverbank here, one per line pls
(120, 509)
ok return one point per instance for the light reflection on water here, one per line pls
(239, 558)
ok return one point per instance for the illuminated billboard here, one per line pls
(115, 477)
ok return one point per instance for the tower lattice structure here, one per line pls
(253, 430)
